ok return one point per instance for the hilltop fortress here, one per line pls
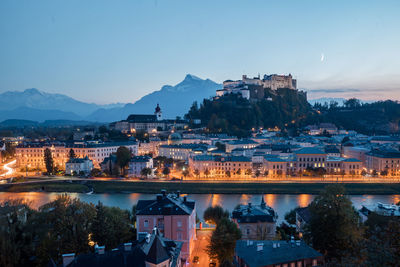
(256, 88)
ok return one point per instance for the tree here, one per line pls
(345, 139)
(111, 226)
(206, 172)
(196, 172)
(352, 103)
(258, 173)
(223, 241)
(48, 161)
(215, 214)
(16, 235)
(334, 228)
(31, 238)
(123, 158)
(382, 246)
(228, 173)
(248, 172)
(71, 154)
(290, 217)
(66, 222)
(185, 172)
(166, 171)
(145, 172)
(220, 146)
(95, 172)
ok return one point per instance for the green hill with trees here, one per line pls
(232, 114)
(381, 117)
(289, 110)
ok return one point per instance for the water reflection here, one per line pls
(270, 199)
(215, 200)
(304, 200)
(281, 203)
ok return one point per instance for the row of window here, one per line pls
(160, 223)
(311, 159)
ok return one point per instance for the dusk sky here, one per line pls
(118, 51)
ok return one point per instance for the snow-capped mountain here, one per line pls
(38, 100)
(33, 104)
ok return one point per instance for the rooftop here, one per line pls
(269, 252)
(254, 213)
(221, 158)
(309, 150)
(164, 204)
(153, 249)
(384, 153)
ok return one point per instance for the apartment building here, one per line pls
(31, 155)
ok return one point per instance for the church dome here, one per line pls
(175, 137)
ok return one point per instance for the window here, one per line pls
(179, 223)
(248, 231)
(146, 223)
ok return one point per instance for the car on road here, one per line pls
(196, 259)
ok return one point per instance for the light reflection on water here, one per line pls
(282, 203)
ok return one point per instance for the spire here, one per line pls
(158, 112)
(262, 202)
(158, 109)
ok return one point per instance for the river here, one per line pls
(281, 203)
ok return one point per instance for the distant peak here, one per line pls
(32, 91)
(192, 77)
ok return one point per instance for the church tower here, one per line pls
(158, 112)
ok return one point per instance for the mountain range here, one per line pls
(36, 105)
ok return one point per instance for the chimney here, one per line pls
(164, 192)
(155, 231)
(128, 246)
(184, 199)
(68, 258)
(148, 238)
(178, 194)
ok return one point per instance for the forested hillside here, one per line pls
(235, 115)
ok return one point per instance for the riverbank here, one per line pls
(95, 186)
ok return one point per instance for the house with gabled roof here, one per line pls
(173, 215)
(256, 221)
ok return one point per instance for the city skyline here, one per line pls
(87, 50)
